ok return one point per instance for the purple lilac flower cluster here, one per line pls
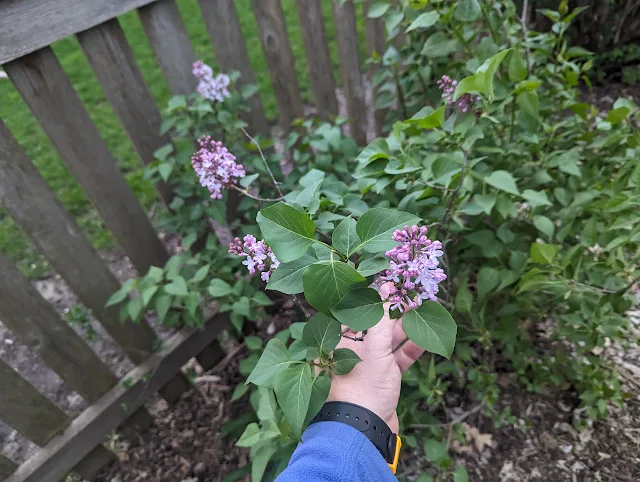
(215, 166)
(259, 256)
(210, 87)
(448, 87)
(413, 268)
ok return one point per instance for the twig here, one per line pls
(454, 194)
(406, 339)
(299, 303)
(525, 34)
(257, 198)
(227, 359)
(266, 165)
(460, 418)
(353, 338)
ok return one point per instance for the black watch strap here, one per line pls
(367, 422)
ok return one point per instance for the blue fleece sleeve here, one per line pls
(336, 452)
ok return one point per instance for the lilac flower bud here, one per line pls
(448, 87)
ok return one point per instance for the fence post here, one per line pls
(277, 51)
(375, 43)
(6, 467)
(222, 23)
(48, 92)
(347, 36)
(318, 59)
(170, 42)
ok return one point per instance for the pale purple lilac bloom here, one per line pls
(210, 87)
(413, 268)
(215, 166)
(259, 256)
(448, 87)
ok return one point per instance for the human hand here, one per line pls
(374, 383)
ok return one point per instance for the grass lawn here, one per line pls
(24, 127)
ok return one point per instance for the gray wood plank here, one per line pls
(39, 327)
(222, 23)
(6, 467)
(112, 60)
(29, 25)
(87, 430)
(280, 60)
(169, 40)
(31, 203)
(89, 467)
(374, 29)
(49, 94)
(347, 36)
(318, 59)
(26, 410)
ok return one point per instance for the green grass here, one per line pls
(25, 128)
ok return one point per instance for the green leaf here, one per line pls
(435, 450)
(156, 274)
(148, 293)
(261, 454)
(427, 118)
(485, 201)
(544, 225)
(529, 103)
(287, 278)
(238, 392)
(319, 393)
(260, 298)
(321, 332)
(376, 226)
(246, 181)
(327, 282)
(201, 274)
(178, 287)
(298, 350)
(359, 309)
(250, 436)
(377, 149)
(219, 288)
(267, 405)
(439, 45)
(464, 298)
(482, 80)
(543, 253)
(536, 198)
(467, 10)
(162, 306)
(502, 180)
(273, 360)
(164, 170)
(293, 391)
(374, 265)
(288, 232)
(120, 295)
(378, 9)
(424, 20)
(517, 69)
(344, 360)
(296, 329)
(344, 238)
(253, 342)
(162, 153)
(430, 326)
(488, 279)
(135, 309)
(460, 474)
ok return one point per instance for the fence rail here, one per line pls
(27, 29)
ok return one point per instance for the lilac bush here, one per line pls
(215, 166)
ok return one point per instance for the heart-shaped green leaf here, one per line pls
(374, 265)
(376, 226)
(431, 327)
(293, 391)
(344, 238)
(274, 359)
(344, 360)
(287, 278)
(359, 309)
(321, 332)
(288, 231)
(325, 283)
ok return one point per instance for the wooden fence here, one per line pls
(27, 29)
